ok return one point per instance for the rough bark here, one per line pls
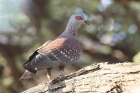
(96, 78)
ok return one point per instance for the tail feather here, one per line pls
(27, 74)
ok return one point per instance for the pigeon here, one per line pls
(57, 52)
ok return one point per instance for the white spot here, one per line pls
(55, 57)
(37, 56)
(65, 55)
(48, 58)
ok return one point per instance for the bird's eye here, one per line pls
(79, 17)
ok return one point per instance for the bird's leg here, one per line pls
(61, 69)
(49, 73)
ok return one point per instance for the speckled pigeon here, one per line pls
(58, 52)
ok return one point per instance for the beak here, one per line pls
(87, 23)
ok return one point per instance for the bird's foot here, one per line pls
(49, 78)
(62, 73)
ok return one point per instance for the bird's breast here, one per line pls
(68, 52)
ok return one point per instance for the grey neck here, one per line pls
(72, 29)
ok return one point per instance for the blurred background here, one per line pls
(113, 35)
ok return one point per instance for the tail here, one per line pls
(28, 74)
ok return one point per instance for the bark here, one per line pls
(96, 78)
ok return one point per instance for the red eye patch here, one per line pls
(78, 17)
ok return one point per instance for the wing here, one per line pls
(59, 52)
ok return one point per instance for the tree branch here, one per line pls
(9, 52)
(97, 78)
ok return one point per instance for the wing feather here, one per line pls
(53, 53)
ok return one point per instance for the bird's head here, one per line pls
(78, 19)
